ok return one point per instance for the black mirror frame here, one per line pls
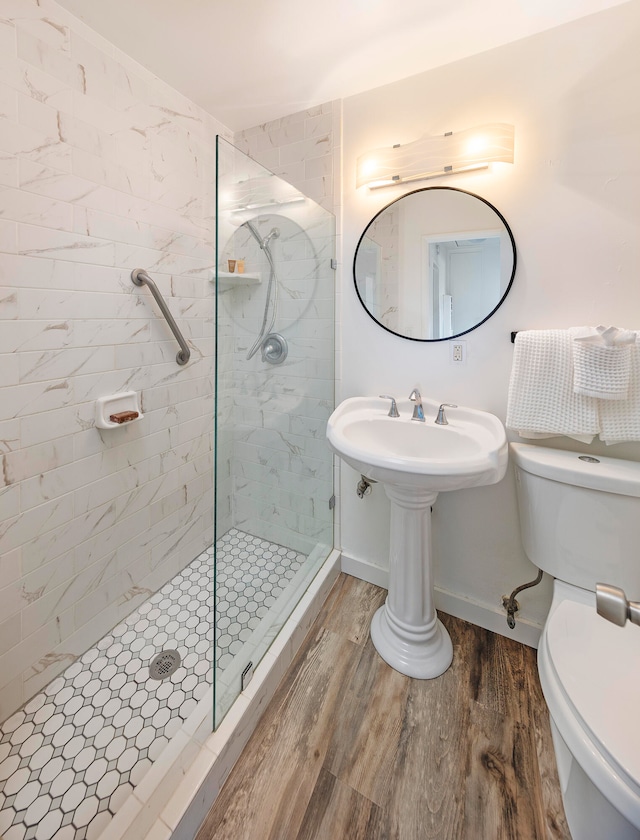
(496, 307)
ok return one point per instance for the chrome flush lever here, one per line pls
(612, 604)
(393, 411)
(418, 411)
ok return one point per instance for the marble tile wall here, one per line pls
(303, 149)
(103, 168)
(282, 468)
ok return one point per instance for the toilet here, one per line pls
(580, 522)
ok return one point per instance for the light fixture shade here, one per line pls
(430, 157)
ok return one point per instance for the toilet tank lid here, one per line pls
(611, 475)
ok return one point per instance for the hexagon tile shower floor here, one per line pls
(71, 756)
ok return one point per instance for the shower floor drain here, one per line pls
(164, 664)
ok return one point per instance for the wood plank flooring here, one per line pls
(350, 749)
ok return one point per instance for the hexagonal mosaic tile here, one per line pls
(71, 756)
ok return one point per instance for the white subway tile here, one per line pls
(10, 566)
(49, 32)
(62, 364)
(8, 170)
(38, 116)
(25, 400)
(16, 336)
(125, 531)
(11, 697)
(46, 180)
(99, 69)
(8, 304)
(8, 237)
(56, 244)
(8, 101)
(33, 209)
(49, 424)
(25, 463)
(19, 530)
(47, 546)
(99, 492)
(66, 478)
(81, 135)
(7, 36)
(10, 495)
(59, 589)
(10, 440)
(50, 60)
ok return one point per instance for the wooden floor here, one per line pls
(349, 749)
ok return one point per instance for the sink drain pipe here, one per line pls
(511, 605)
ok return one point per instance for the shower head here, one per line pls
(274, 233)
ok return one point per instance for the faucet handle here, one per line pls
(441, 419)
(393, 411)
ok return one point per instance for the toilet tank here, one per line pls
(580, 519)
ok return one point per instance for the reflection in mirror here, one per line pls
(434, 264)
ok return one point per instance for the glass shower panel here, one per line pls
(274, 394)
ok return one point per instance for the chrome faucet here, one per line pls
(393, 411)
(418, 413)
(441, 419)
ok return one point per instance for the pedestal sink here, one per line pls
(414, 461)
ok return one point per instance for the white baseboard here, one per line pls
(459, 606)
(365, 571)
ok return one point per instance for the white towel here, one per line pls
(620, 419)
(541, 397)
(602, 361)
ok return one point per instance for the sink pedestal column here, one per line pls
(406, 631)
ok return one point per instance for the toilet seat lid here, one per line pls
(598, 667)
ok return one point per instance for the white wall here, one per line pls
(103, 168)
(571, 199)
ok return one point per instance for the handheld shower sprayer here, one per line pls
(274, 233)
(272, 291)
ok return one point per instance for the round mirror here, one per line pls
(434, 264)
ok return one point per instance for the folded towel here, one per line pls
(604, 336)
(620, 419)
(602, 361)
(541, 396)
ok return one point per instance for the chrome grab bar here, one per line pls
(141, 278)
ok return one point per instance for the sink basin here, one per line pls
(469, 452)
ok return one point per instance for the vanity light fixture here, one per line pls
(432, 157)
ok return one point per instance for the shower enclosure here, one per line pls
(274, 394)
(94, 742)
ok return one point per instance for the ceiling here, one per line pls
(250, 61)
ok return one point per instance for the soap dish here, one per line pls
(117, 410)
